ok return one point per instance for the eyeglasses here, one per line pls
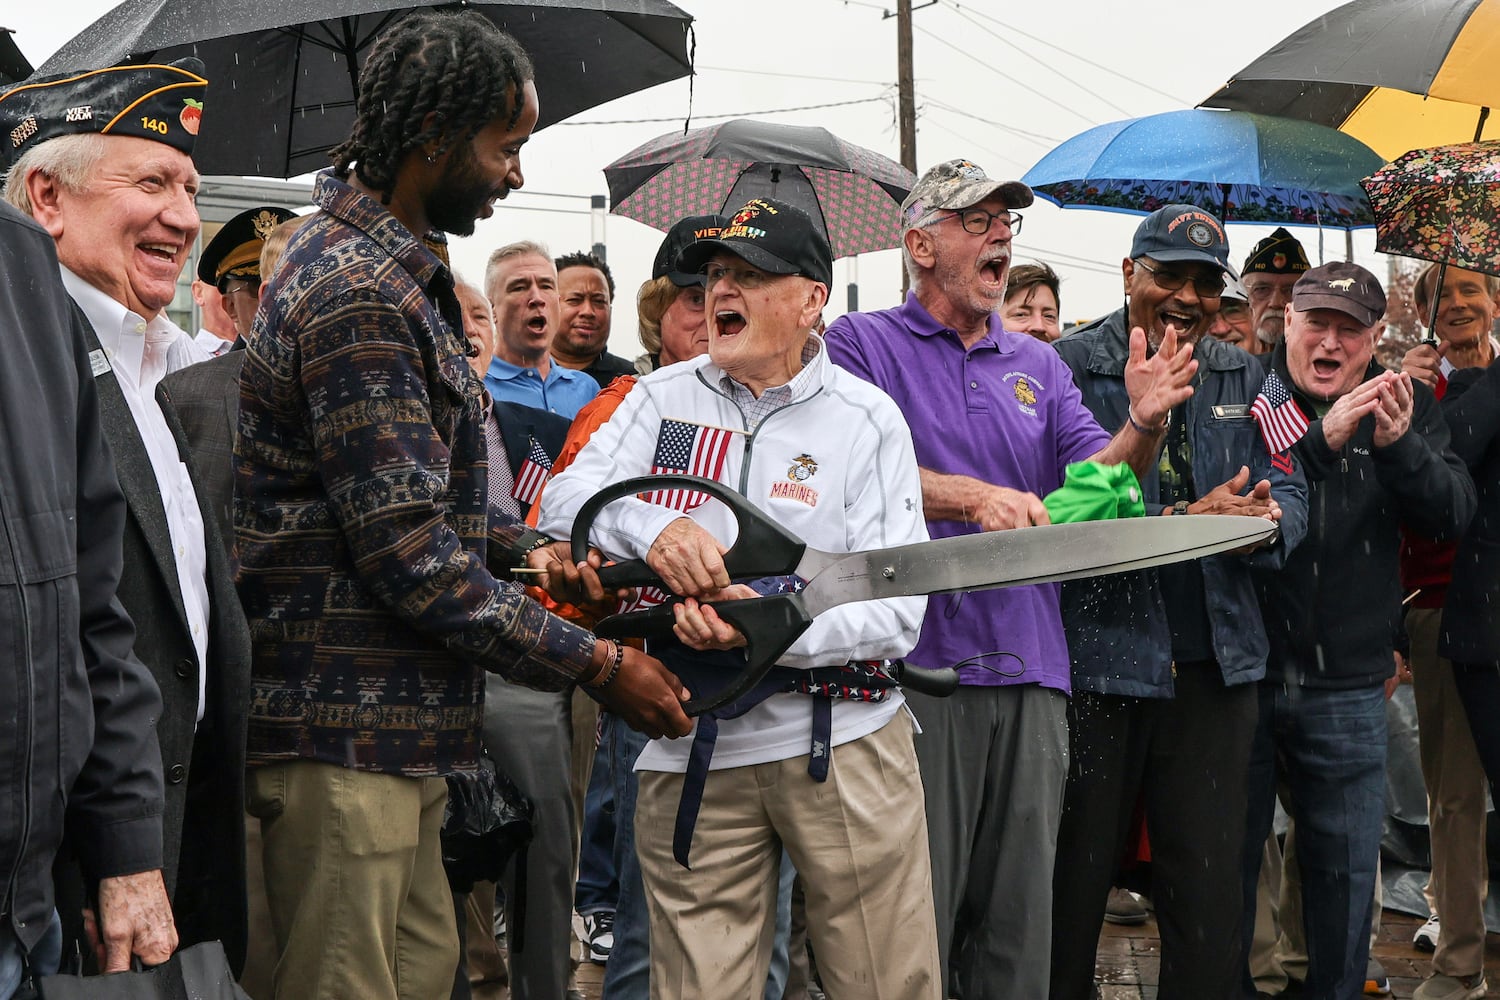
(232, 285)
(745, 277)
(1264, 290)
(1207, 286)
(978, 220)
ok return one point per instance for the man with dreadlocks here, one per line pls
(363, 520)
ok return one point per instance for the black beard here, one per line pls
(460, 195)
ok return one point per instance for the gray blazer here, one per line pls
(206, 397)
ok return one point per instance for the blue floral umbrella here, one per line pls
(1241, 167)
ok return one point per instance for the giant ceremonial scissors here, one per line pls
(983, 561)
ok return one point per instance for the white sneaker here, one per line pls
(1426, 938)
(600, 928)
(1441, 987)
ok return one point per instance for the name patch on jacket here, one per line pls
(1232, 411)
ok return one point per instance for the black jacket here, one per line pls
(1333, 613)
(79, 709)
(203, 828)
(1471, 618)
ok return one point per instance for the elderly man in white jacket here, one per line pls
(829, 457)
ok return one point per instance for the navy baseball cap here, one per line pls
(1182, 233)
(770, 235)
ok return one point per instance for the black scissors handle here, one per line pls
(763, 547)
(769, 624)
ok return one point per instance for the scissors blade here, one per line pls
(1041, 554)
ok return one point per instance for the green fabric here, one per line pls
(1095, 492)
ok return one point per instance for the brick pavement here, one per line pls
(1130, 960)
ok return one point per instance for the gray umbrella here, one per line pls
(282, 73)
(851, 193)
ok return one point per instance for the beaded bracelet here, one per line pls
(617, 657)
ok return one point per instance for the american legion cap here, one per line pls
(1279, 253)
(770, 235)
(149, 101)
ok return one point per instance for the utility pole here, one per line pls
(906, 89)
(905, 86)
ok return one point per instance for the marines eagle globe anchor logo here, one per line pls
(794, 487)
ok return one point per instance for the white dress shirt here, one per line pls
(211, 342)
(141, 352)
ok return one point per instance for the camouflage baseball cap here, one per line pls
(959, 184)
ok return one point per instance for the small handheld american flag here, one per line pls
(533, 474)
(1281, 420)
(696, 449)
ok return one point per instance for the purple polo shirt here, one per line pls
(1005, 411)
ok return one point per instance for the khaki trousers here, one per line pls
(1455, 802)
(859, 842)
(359, 902)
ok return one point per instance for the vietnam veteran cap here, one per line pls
(234, 252)
(1341, 285)
(151, 101)
(956, 184)
(679, 238)
(770, 235)
(1279, 253)
(1182, 233)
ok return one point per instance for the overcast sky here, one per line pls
(998, 83)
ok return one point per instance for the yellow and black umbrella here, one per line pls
(1395, 74)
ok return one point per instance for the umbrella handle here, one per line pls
(1437, 295)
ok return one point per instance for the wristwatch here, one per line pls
(1179, 508)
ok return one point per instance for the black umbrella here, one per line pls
(282, 73)
(13, 65)
(850, 192)
(1395, 74)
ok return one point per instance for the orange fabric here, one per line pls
(589, 419)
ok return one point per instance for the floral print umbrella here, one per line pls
(1441, 204)
(1241, 167)
(852, 194)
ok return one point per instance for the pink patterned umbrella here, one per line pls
(851, 193)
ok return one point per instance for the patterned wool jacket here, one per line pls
(360, 511)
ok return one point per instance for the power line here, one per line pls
(970, 142)
(795, 76)
(738, 114)
(1036, 137)
(1006, 41)
(1070, 260)
(1006, 76)
(1073, 55)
